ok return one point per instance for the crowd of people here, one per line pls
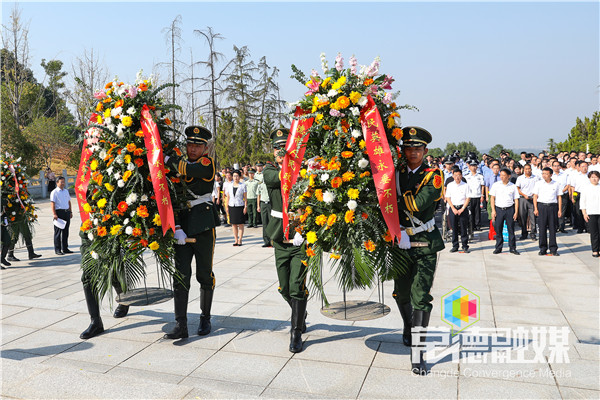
(543, 194)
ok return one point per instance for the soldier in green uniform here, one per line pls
(289, 254)
(196, 221)
(252, 187)
(419, 187)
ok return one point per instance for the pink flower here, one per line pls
(387, 99)
(314, 72)
(339, 62)
(99, 95)
(387, 82)
(313, 86)
(353, 64)
(132, 91)
(336, 113)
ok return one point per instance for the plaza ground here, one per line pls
(246, 356)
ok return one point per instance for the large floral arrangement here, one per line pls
(17, 204)
(336, 192)
(124, 220)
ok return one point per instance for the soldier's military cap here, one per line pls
(413, 136)
(197, 134)
(251, 171)
(259, 164)
(279, 137)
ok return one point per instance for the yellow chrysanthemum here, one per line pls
(127, 158)
(87, 208)
(115, 229)
(94, 165)
(303, 173)
(101, 203)
(349, 217)
(339, 83)
(325, 82)
(362, 144)
(354, 97)
(331, 220)
(353, 193)
(334, 256)
(107, 113)
(154, 246)
(156, 220)
(127, 121)
(311, 237)
(308, 210)
(319, 117)
(127, 175)
(321, 220)
(99, 119)
(109, 187)
(348, 176)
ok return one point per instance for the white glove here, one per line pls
(298, 239)
(180, 236)
(167, 158)
(404, 243)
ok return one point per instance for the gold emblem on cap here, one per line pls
(413, 131)
(196, 130)
(279, 133)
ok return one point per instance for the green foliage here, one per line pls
(462, 147)
(435, 152)
(498, 148)
(584, 133)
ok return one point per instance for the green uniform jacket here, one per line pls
(272, 180)
(252, 188)
(199, 177)
(420, 195)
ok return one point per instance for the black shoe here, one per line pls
(2, 267)
(4, 262)
(515, 252)
(406, 311)
(420, 319)
(94, 329)
(595, 255)
(542, 253)
(180, 300)
(497, 251)
(454, 250)
(227, 225)
(59, 253)
(206, 297)
(533, 237)
(93, 307)
(555, 254)
(466, 250)
(33, 256)
(11, 257)
(579, 230)
(266, 245)
(67, 251)
(235, 244)
(179, 332)
(204, 327)
(121, 311)
(298, 313)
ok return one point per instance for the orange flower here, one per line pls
(369, 245)
(139, 162)
(142, 211)
(366, 173)
(319, 194)
(99, 107)
(175, 179)
(336, 182)
(331, 220)
(347, 154)
(108, 85)
(343, 102)
(131, 147)
(136, 232)
(326, 127)
(345, 125)
(106, 217)
(102, 231)
(167, 121)
(144, 242)
(139, 133)
(86, 226)
(310, 252)
(143, 87)
(122, 206)
(365, 215)
(348, 176)
(177, 151)
(138, 152)
(321, 220)
(150, 231)
(397, 133)
(368, 82)
(388, 236)
(349, 217)
(127, 175)
(119, 103)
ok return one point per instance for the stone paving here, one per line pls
(246, 356)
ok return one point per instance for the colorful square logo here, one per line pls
(460, 309)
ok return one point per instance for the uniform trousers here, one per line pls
(579, 221)
(290, 261)
(61, 236)
(459, 222)
(594, 229)
(526, 213)
(563, 211)
(252, 212)
(203, 250)
(414, 286)
(505, 214)
(548, 215)
(475, 212)
(265, 214)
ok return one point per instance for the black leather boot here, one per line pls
(121, 310)
(406, 311)
(181, 301)
(3, 259)
(304, 321)
(206, 297)
(32, 254)
(298, 312)
(420, 319)
(93, 307)
(11, 256)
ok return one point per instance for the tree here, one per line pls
(551, 146)
(463, 148)
(223, 146)
(174, 40)
(498, 148)
(89, 74)
(267, 95)
(435, 152)
(50, 136)
(585, 133)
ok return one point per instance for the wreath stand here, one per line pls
(356, 310)
(146, 296)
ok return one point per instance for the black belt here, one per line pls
(546, 204)
(505, 208)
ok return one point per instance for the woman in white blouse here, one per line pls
(237, 203)
(590, 208)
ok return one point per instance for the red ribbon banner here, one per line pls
(17, 189)
(83, 175)
(157, 170)
(382, 165)
(292, 162)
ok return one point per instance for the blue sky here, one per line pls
(511, 73)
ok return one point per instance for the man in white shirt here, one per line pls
(547, 201)
(578, 182)
(476, 187)
(60, 203)
(560, 177)
(523, 159)
(594, 165)
(504, 200)
(525, 184)
(456, 197)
